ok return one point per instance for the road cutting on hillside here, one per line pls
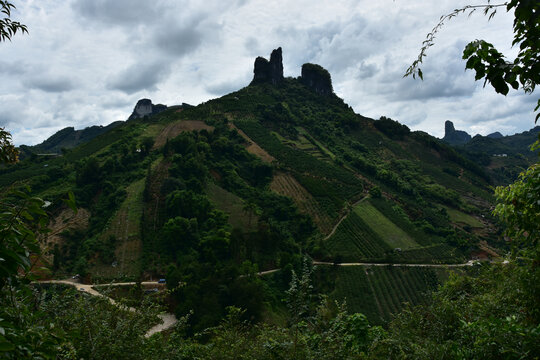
(168, 320)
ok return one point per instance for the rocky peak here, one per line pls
(453, 136)
(317, 78)
(495, 135)
(269, 71)
(448, 127)
(144, 107)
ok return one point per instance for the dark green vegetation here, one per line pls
(184, 195)
(208, 196)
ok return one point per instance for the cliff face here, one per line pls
(145, 107)
(317, 78)
(270, 71)
(453, 136)
(313, 76)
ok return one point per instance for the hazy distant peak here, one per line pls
(453, 136)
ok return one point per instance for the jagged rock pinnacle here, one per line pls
(317, 78)
(145, 107)
(271, 71)
(453, 136)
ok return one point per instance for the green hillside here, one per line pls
(207, 196)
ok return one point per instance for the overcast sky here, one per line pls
(87, 62)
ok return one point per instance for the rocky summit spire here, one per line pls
(317, 78)
(453, 136)
(269, 71)
(144, 108)
(448, 127)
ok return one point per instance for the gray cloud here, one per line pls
(139, 77)
(179, 41)
(118, 12)
(366, 71)
(441, 79)
(50, 83)
(13, 68)
(252, 46)
(192, 50)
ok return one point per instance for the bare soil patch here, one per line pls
(65, 220)
(253, 147)
(176, 128)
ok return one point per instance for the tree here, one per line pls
(8, 27)
(8, 152)
(490, 64)
(494, 314)
(518, 204)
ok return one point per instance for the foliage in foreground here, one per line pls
(492, 316)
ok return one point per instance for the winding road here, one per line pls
(468, 263)
(167, 320)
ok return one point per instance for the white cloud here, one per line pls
(88, 62)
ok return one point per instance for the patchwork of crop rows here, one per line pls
(355, 240)
(381, 291)
(438, 253)
(386, 229)
(329, 184)
(287, 185)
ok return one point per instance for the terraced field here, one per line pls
(354, 239)
(463, 218)
(125, 228)
(379, 292)
(392, 235)
(286, 184)
(368, 235)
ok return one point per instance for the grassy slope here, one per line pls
(387, 230)
(315, 159)
(125, 227)
(239, 216)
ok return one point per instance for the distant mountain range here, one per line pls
(66, 138)
(493, 144)
(503, 157)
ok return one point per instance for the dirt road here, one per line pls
(167, 320)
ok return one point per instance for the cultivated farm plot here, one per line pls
(463, 218)
(253, 147)
(301, 143)
(176, 128)
(355, 240)
(286, 184)
(239, 216)
(315, 142)
(380, 292)
(383, 227)
(125, 227)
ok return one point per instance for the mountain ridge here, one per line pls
(252, 180)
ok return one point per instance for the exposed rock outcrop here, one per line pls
(317, 78)
(269, 71)
(144, 108)
(453, 136)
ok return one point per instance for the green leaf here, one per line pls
(70, 201)
(5, 345)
